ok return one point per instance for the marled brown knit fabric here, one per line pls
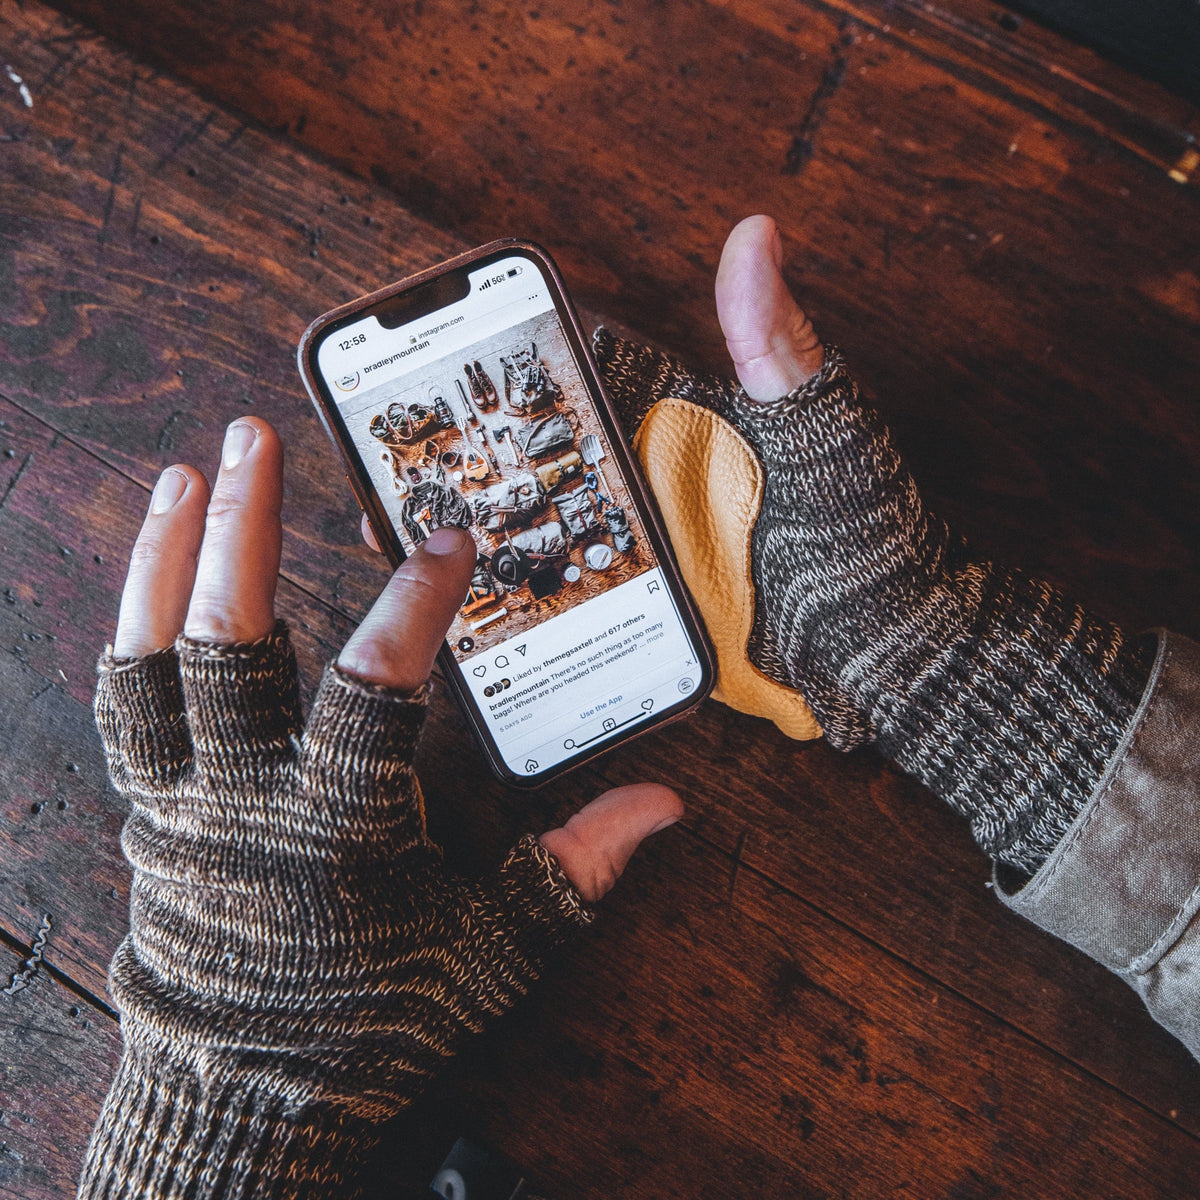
(1001, 695)
(299, 961)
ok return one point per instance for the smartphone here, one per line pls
(467, 396)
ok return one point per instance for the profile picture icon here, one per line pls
(347, 383)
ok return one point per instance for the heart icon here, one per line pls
(481, 670)
(647, 704)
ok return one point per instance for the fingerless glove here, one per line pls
(991, 687)
(299, 960)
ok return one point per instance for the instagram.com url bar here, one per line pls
(428, 333)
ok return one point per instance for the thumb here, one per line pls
(772, 343)
(595, 845)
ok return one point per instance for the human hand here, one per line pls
(838, 525)
(989, 686)
(299, 960)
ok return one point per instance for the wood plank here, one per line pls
(663, 123)
(57, 1053)
(814, 1067)
(150, 299)
(1028, 66)
(851, 836)
(1033, 299)
(1160, 39)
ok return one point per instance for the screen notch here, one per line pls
(428, 297)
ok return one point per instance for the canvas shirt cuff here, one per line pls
(1123, 885)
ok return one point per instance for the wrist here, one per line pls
(164, 1134)
(1012, 719)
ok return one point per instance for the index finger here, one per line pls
(399, 638)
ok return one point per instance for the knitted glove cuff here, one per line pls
(162, 1134)
(636, 378)
(758, 415)
(140, 715)
(1014, 721)
(355, 763)
(242, 701)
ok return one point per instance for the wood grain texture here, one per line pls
(806, 989)
(814, 1067)
(983, 219)
(54, 1046)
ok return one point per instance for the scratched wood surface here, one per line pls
(982, 215)
(1084, 245)
(805, 989)
(54, 1045)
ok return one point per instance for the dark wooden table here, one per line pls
(805, 989)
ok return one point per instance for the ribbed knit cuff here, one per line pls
(243, 705)
(758, 415)
(139, 713)
(161, 1137)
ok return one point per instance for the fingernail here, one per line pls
(447, 540)
(239, 437)
(662, 825)
(168, 491)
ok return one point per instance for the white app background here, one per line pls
(585, 676)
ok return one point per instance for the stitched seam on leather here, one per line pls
(748, 515)
(716, 424)
(749, 518)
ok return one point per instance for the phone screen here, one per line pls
(476, 413)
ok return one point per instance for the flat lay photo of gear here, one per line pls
(519, 461)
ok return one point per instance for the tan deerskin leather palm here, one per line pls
(709, 487)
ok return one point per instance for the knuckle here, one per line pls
(146, 552)
(210, 621)
(233, 503)
(367, 660)
(225, 509)
(411, 588)
(605, 874)
(411, 604)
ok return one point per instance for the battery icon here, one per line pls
(513, 271)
